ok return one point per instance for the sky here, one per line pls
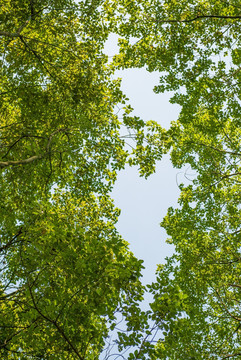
(144, 203)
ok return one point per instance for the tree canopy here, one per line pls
(196, 48)
(67, 276)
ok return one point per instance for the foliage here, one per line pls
(66, 274)
(196, 48)
(69, 272)
(65, 271)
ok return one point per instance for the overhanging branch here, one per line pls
(234, 17)
(4, 164)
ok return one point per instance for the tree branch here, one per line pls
(235, 285)
(9, 243)
(19, 139)
(233, 17)
(226, 308)
(31, 159)
(16, 34)
(55, 324)
(4, 164)
(231, 355)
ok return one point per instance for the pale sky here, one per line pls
(144, 203)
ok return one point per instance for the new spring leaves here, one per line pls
(67, 276)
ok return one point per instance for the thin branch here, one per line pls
(38, 57)
(9, 243)
(231, 355)
(6, 341)
(55, 324)
(235, 285)
(16, 34)
(226, 309)
(9, 295)
(19, 139)
(219, 150)
(32, 9)
(4, 164)
(233, 17)
(20, 29)
(8, 34)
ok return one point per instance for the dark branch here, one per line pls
(4, 164)
(234, 17)
(231, 355)
(55, 324)
(12, 241)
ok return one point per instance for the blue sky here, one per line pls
(143, 203)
